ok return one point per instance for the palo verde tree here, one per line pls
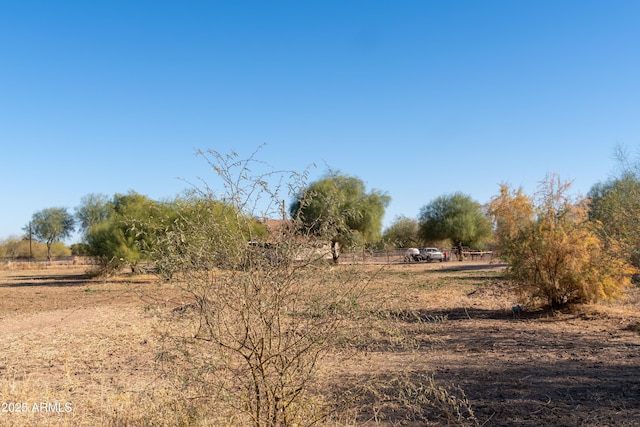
(264, 313)
(456, 217)
(50, 226)
(339, 209)
(123, 237)
(552, 249)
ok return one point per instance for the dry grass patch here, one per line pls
(423, 346)
(81, 347)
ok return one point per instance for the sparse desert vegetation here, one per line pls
(199, 313)
(425, 344)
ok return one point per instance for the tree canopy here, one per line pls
(456, 217)
(123, 237)
(199, 231)
(50, 226)
(339, 208)
(402, 233)
(94, 208)
(615, 207)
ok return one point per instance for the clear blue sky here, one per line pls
(416, 98)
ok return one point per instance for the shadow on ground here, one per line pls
(473, 267)
(52, 281)
(544, 368)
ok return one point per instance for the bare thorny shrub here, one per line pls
(263, 307)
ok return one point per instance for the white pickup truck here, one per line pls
(431, 254)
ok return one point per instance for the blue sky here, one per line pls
(416, 98)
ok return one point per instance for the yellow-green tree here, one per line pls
(124, 237)
(551, 247)
(339, 209)
(455, 217)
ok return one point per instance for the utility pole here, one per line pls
(30, 247)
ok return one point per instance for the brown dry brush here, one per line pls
(257, 337)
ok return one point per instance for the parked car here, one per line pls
(431, 254)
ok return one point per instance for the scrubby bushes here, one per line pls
(15, 248)
(552, 249)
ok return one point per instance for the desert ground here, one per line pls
(82, 350)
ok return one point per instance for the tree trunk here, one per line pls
(459, 248)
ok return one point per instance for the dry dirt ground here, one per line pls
(77, 350)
